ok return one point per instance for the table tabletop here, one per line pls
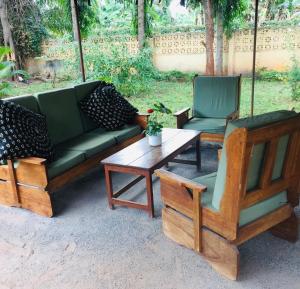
(143, 156)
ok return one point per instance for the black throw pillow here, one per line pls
(23, 133)
(108, 108)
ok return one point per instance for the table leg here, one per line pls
(109, 187)
(198, 155)
(149, 188)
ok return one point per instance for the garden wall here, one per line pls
(186, 51)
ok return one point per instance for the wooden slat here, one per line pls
(127, 187)
(262, 224)
(12, 183)
(268, 166)
(197, 220)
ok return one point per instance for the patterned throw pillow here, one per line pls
(23, 133)
(108, 108)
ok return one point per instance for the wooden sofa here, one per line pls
(79, 146)
(255, 189)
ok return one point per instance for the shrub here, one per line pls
(294, 79)
(271, 75)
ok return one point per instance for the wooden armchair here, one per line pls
(254, 190)
(216, 101)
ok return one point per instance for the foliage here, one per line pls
(131, 74)
(27, 29)
(6, 71)
(57, 17)
(154, 125)
(271, 75)
(294, 80)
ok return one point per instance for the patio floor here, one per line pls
(89, 246)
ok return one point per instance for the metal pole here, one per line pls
(254, 56)
(78, 34)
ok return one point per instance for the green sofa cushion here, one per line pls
(247, 215)
(258, 152)
(82, 90)
(28, 101)
(127, 132)
(215, 96)
(64, 160)
(209, 125)
(89, 143)
(62, 113)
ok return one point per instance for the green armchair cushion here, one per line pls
(62, 113)
(215, 96)
(247, 215)
(257, 154)
(89, 143)
(64, 160)
(28, 101)
(208, 125)
(82, 90)
(126, 132)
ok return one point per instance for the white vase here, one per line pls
(154, 140)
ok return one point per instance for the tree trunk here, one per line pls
(219, 48)
(6, 28)
(141, 24)
(74, 19)
(209, 37)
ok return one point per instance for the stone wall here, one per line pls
(186, 51)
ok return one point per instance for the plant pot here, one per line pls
(154, 140)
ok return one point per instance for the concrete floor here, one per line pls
(88, 246)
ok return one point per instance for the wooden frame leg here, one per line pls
(198, 155)
(149, 187)
(109, 187)
(218, 252)
(287, 230)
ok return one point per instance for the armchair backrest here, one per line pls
(216, 96)
(260, 160)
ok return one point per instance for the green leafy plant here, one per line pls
(154, 125)
(6, 71)
(271, 75)
(294, 79)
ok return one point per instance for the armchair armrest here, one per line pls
(197, 190)
(232, 116)
(142, 120)
(182, 117)
(33, 160)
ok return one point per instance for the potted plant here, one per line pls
(154, 126)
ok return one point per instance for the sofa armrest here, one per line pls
(32, 160)
(142, 120)
(182, 117)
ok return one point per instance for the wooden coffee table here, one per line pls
(142, 159)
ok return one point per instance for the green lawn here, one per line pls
(269, 96)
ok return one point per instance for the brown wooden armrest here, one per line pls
(142, 120)
(168, 176)
(33, 160)
(182, 117)
(197, 190)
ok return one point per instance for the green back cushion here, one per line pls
(62, 113)
(257, 157)
(215, 96)
(82, 90)
(28, 101)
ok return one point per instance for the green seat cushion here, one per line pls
(82, 90)
(89, 143)
(209, 125)
(64, 160)
(28, 101)
(247, 215)
(215, 96)
(257, 156)
(62, 113)
(127, 132)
